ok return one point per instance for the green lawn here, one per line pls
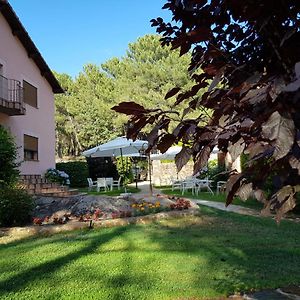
(114, 192)
(201, 257)
(250, 203)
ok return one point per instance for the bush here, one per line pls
(124, 167)
(77, 171)
(102, 167)
(15, 206)
(54, 175)
(9, 173)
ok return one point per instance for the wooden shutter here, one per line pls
(30, 143)
(30, 94)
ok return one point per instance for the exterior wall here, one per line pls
(163, 173)
(37, 122)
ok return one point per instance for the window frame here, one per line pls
(29, 83)
(31, 154)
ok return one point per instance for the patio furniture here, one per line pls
(92, 184)
(117, 183)
(109, 182)
(203, 184)
(176, 183)
(101, 183)
(189, 183)
(221, 186)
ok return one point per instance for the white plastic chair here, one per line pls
(109, 182)
(92, 184)
(117, 183)
(187, 184)
(176, 183)
(101, 183)
(203, 183)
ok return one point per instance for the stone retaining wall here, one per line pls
(163, 173)
(16, 233)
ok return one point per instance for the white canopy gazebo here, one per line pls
(120, 146)
(117, 147)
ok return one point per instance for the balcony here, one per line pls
(11, 97)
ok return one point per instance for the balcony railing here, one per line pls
(11, 96)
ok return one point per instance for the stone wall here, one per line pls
(163, 173)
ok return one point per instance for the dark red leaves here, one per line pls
(201, 159)
(183, 157)
(130, 108)
(199, 35)
(172, 92)
(252, 105)
(166, 142)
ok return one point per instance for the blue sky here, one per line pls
(71, 33)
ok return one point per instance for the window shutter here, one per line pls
(30, 143)
(30, 94)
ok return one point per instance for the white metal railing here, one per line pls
(11, 90)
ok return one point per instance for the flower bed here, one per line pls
(134, 209)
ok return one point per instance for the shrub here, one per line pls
(77, 171)
(124, 167)
(8, 154)
(54, 175)
(15, 206)
(101, 167)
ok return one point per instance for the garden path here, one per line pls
(145, 193)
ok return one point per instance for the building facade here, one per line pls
(27, 88)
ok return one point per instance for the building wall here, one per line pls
(163, 173)
(38, 122)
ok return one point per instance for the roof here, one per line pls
(20, 32)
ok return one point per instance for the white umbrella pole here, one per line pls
(149, 166)
(121, 152)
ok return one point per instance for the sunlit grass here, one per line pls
(221, 197)
(114, 192)
(212, 255)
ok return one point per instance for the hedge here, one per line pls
(77, 170)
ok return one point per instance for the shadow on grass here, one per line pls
(237, 253)
(44, 270)
(202, 257)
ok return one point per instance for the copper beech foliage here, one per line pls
(246, 54)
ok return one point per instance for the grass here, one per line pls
(110, 193)
(250, 203)
(203, 257)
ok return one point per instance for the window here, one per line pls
(30, 94)
(30, 147)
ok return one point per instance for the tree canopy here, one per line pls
(246, 54)
(146, 72)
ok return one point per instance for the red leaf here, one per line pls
(130, 108)
(182, 157)
(184, 48)
(199, 35)
(137, 126)
(201, 159)
(166, 142)
(172, 92)
(232, 185)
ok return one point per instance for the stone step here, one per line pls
(34, 181)
(51, 190)
(44, 186)
(59, 193)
